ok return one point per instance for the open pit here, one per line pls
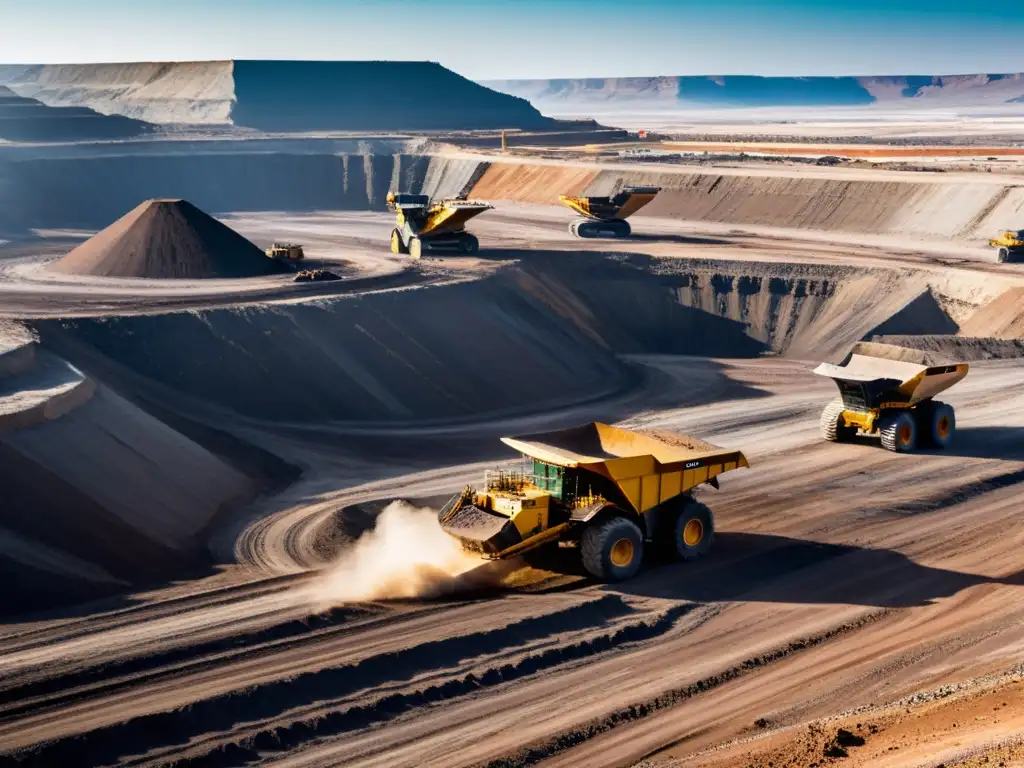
(267, 424)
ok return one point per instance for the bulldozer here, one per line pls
(606, 216)
(889, 391)
(285, 252)
(1010, 245)
(425, 225)
(607, 491)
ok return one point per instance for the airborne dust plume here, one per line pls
(406, 555)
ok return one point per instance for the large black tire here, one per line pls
(690, 531)
(899, 431)
(936, 422)
(468, 244)
(612, 549)
(1003, 256)
(397, 245)
(832, 427)
(415, 248)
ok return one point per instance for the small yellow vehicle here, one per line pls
(1010, 245)
(606, 490)
(889, 391)
(285, 252)
(424, 225)
(606, 216)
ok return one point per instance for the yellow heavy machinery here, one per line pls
(889, 391)
(285, 252)
(424, 225)
(606, 490)
(1010, 245)
(606, 216)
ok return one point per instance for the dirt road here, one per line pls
(842, 575)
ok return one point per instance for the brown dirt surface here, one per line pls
(951, 728)
(531, 184)
(1002, 318)
(168, 239)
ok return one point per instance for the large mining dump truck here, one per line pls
(889, 391)
(424, 225)
(1010, 246)
(606, 216)
(606, 490)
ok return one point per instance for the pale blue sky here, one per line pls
(485, 39)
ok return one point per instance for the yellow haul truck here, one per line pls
(604, 489)
(606, 216)
(1010, 245)
(426, 225)
(889, 391)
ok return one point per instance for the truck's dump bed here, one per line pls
(619, 206)
(620, 453)
(877, 371)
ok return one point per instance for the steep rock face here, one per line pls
(29, 120)
(751, 91)
(279, 95)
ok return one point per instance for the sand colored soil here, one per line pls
(1002, 318)
(840, 200)
(526, 184)
(167, 239)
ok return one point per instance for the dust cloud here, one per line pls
(407, 555)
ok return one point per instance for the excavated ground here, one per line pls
(844, 578)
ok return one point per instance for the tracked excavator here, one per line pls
(1010, 245)
(889, 392)
(424, 225)
(607, 491)
(606, 216)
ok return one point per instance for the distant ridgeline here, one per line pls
(279, 95)
(753, 91)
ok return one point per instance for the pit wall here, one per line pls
(536, 335)
(89, 191)
(964, 209)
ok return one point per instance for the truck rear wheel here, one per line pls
(899, 431)
(833, 428)
(937, 423)
(468, 244)
(415, 248)
(613, 549)
(692, 531)
(1003, 256)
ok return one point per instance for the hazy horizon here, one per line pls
(531, 39)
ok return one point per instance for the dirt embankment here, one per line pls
(542, 332)
(97, 493)
(907, 206)
(89, 191)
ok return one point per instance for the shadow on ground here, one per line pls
(778, 569)
(988, 443)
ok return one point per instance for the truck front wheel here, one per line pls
(612, 549)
